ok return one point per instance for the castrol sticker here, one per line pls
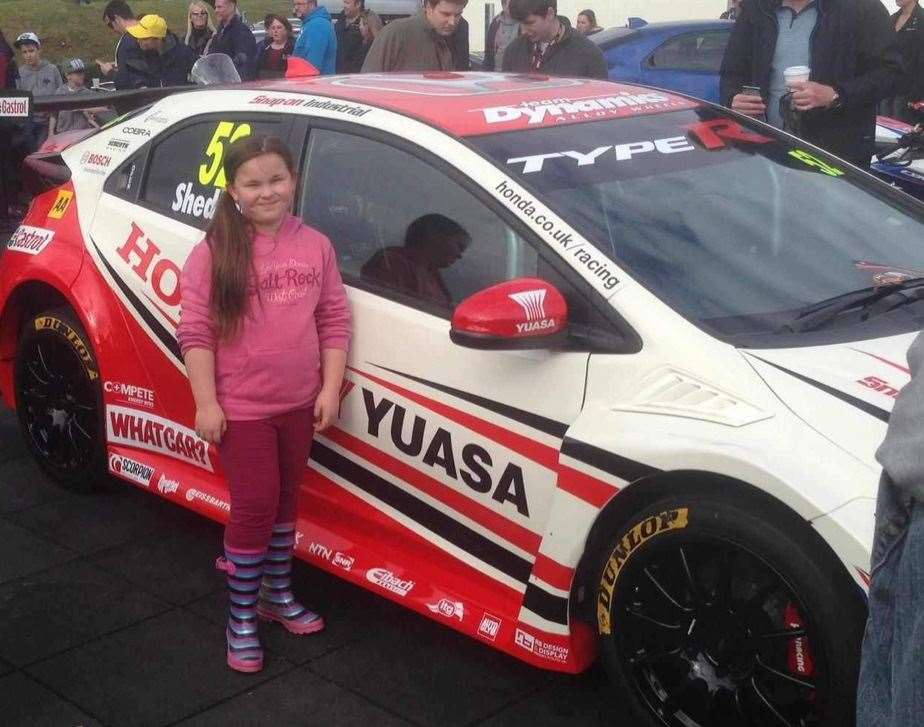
(140, 429)
(30, 240)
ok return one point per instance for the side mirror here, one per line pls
(518, 314)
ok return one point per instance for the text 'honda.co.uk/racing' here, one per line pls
(632, 417)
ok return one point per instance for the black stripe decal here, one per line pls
(622, 467)
(439, 523)
(549, 606)
(162, 333)
(865, 406)
(536, 421)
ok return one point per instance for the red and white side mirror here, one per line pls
(521, 313)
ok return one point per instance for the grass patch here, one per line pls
(71, 30)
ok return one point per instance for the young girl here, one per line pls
(264, 332)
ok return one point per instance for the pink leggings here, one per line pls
(264, 461)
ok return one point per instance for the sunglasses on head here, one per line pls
(198, 12)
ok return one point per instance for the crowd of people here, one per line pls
(526, 36)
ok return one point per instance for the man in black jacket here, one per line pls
(234, 39)
(548, 44)
(167, 60)
(853, 58)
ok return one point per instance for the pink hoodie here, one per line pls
(298, 309)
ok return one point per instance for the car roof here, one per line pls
(470, 104)
(612, 36)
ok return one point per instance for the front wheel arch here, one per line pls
(642, 493)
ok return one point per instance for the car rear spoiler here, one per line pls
(122, 101)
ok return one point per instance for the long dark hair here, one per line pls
(230, 238)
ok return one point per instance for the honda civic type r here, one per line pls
(632, 412)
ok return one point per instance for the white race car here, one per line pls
(634, 416)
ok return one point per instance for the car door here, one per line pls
(440, 450)
(154, 208)
(688, 63)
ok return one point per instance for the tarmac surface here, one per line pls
(111, 613)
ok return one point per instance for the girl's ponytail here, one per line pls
(230, 238)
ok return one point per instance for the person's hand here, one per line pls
(748, 105)
(326, 408)
(807, 95)
(105, 67)
(211, 423)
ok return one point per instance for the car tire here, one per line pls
(59, 400)
(717, 610)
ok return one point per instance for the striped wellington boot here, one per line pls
(276, 600)
(244, 572)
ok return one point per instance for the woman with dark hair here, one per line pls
(586, 23)
(274, 51)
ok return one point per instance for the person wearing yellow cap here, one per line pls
(167, 61)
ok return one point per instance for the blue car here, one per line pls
(680, 56)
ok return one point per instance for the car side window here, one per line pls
(404, 228)
(701, 51)
(185, 174)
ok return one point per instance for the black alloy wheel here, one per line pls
(59, 400)
(709, 615)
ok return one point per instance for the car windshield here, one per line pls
(735, 227)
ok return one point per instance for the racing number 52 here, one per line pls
(212, 172)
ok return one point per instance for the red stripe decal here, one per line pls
(885, 361)
(589, 489)
(539, 453)
(553, 572)
(511, 532)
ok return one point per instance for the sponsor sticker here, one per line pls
(489, 627)
(616, 153)
(312, 103)
(130, 393)
(487, 473)
(542, 649)
(156, 117)
(118, 144)
(384, 578)
(144, 430)
(135, 131)
(535, 113)
(30, 240)
(343, 561)
(62, 202)
(166, 486)
(160, 275)
(637, 535)
(810, 160)
(131, 469)
(80, 346)
(193, 494)
(15, 104)
(447, 608)
(331, 556)
(94, 161)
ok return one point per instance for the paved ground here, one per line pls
(111, 614)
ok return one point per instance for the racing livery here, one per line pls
(640, 425)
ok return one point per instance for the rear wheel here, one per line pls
(715, 611)
(59, 400)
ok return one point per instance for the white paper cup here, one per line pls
(795, 74)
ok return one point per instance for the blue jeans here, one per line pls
(891, 689)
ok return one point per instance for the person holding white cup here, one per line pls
(841, 59)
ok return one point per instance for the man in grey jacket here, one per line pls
(891, 690)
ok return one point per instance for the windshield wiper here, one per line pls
(869, 301)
